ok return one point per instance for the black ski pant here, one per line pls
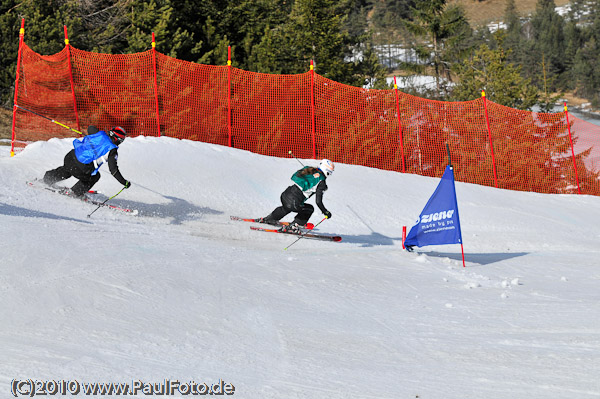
(292, 200)
(73, 168)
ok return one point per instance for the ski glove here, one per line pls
(327, 214)
(127, 184)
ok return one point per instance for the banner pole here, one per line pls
(448, 152)
(21, 34)
(462, 251)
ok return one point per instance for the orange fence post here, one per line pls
(312, 107)
(71, 76)
(229, 92)
(155, 85)
(572, 149)
(399, 124)
(487, 119)
(21, 34)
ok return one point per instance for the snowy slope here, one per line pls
(181, 292)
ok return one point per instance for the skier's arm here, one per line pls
(114, 167)
(321, 187)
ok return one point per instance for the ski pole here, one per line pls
(302, 235)
(50, 119)
(105, 201)
(292, 154)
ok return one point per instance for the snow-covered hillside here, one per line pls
(180, 292)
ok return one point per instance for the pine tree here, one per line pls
(546, 55)
(9, 37)
(445, 30)
(513, 32)
(317, 30)
(204, 23)
(585, 72)
(490, 70)
(574, 41)
(388, 26)
(147, 17)
(44, 33)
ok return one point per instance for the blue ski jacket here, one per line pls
(93, 149)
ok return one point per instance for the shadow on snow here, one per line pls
(370, 240)
(11, 210)
(480, 258)
(178, 209)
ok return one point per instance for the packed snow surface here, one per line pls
(180, 292)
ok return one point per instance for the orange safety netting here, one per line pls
(308, 114)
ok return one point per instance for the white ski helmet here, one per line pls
(327, 167)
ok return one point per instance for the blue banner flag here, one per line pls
(438, 223)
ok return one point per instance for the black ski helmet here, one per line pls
(117, 134)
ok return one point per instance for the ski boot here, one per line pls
(292, 228)
(266, 220)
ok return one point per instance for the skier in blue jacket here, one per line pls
(307, 182)
(84, 160)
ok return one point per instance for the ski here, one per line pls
(308, 226)
(64, 191)
(305, 235)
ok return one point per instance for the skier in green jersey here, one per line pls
(307, 182)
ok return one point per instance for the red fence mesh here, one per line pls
(308, 114)
(44, 87)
